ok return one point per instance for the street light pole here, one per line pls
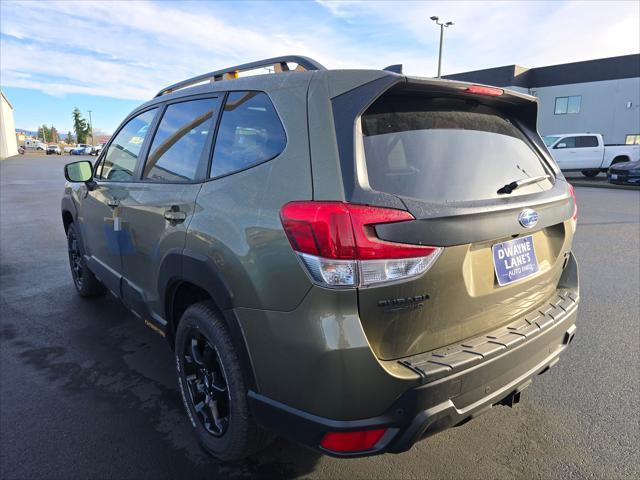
(442, 25)
(91, 123)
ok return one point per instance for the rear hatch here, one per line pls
(445, 152)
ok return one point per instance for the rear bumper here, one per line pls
(508, 360)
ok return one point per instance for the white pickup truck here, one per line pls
(587, 153)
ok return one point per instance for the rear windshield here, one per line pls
(441, 153)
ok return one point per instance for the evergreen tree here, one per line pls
(44, 134)
(80, 126)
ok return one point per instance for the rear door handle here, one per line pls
(174, 215)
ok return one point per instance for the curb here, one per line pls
(602, 185)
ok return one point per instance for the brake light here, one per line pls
(572, 191)
(344, 442)
(487, 91)
(337, 243)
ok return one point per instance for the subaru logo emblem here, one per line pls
(528, 218)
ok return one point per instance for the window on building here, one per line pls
(121, 158)
(250, 133)
(633, 139)
(566, 105)
(180, 141)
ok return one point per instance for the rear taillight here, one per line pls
(338, 245)
(482, 90)
(575, 203)
(345, 442)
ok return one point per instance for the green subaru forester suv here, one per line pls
(352, 259)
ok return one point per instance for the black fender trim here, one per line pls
(180, 266)
(67, 205)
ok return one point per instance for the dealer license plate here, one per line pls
(514, 260)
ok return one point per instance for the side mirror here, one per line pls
(78, 172)
(561, 145)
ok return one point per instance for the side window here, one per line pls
(120, 160)
(250, 133)
(176, 154)
(587, 141)
(566, 142)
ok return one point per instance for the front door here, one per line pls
(564, 152)
(157, 210)
(100, 212)
(98, 235)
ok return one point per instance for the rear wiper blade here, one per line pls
(510, 187)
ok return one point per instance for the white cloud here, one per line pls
(125, 50)
(132, 49)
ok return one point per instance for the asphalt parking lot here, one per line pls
(87, 391)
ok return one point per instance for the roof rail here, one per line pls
(279, 64)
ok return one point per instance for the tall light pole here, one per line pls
(91, 125)
(442, 25)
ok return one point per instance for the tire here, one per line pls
(590, 173)
(619, 160)
(230, 433)
(84, 280)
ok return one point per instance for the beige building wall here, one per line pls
(8, 143)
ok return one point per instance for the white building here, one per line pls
(596, 96)
(8, 143)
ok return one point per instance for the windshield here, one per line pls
(445, 155)
(549, 139)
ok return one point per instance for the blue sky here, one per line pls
(111, 56)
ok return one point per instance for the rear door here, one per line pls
(590, 151)
(158, 207)
(446, 158)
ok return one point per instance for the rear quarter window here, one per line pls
(441, 154)
(250, 133)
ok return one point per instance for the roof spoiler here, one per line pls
(397, 68)
(279, 64)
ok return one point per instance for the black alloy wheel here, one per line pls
(206, 383)
(75, 259)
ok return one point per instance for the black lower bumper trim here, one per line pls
(441, 402)
(418, 413)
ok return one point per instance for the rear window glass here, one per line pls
(440, 154)
(250, 133)
(586, 142)
(180, 141)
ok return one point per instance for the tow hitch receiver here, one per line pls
(511, 400)
(514, 397)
